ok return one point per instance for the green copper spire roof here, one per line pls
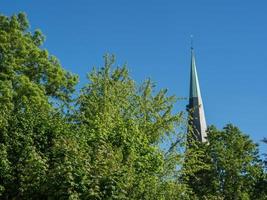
(194, 84)
(197, 114)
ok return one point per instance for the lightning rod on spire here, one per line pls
(192, 41)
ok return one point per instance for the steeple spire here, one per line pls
(197, 121)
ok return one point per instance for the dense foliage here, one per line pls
(108, 142)
(229, 167)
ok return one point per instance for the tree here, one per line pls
(31, 82)
(124, 125)
(108, 148)
(231, 166)
(27, 70)
(109, 144)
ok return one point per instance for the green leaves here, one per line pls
(124, 122)
(110, 144)
(229, 166)
(24, 64)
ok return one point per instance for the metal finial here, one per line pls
(192, 41)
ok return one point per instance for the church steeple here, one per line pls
(196, 120)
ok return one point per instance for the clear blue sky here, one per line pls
(153, 37)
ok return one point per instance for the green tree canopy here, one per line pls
(107, 149)
(110, 144)
(31, 81)
(28, 72)
(229, 167)
(124, 125)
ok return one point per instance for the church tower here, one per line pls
(197, 126)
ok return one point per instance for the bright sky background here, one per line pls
(153, 37)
